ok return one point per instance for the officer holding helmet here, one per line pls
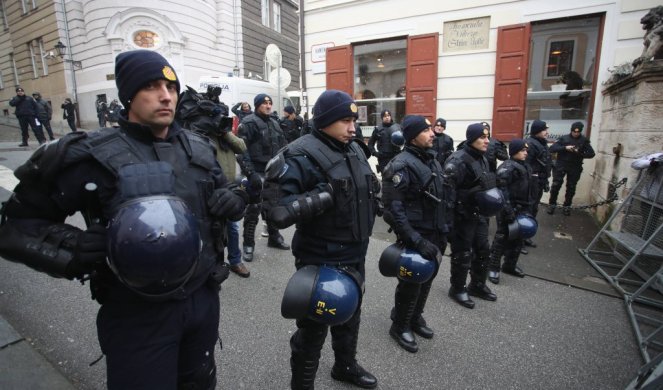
(476, 199)
(416, 207)
(152, 195)
(326, 187)
(514, 178)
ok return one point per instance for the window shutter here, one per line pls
(421, 79)
(340, 68)
(511, 72)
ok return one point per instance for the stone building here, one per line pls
(199, 37)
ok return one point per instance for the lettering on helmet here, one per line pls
(321, 309)
(404, 273)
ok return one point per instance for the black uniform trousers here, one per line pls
(307, 341)
(572, 173)
(503, 246)
(171, 343)
(253, 212)
(469, 248)
(24, 122)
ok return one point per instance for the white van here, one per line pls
(236, 89)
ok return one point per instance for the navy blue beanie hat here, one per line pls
(577, 125)
(442, 122)
(413, 125)
(331, 106)
(537, 127)
(289, 109)
(134, 69)
(260, 99)
(474, 131)
(516, 145)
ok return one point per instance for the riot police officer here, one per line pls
(327, 188)
(151, 194)
(443, 144)
(477, 198)
(538, 158)
(571, 150)
(264, 138)
(416, 207)
(514, 178)
(381, 138)
(496, 150)
(291, 124)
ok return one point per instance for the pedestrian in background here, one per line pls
(114, 109)
(44, 114)
(69, 113)
(290, 125)
(102, 112)
(26, 113)
(242, 110)
(572, 149)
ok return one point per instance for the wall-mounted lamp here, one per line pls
(380, 62)
(61, 49)
(236, 71)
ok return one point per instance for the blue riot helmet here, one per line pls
(524, 227)
(153, 245)
(405, 264)
(397, 138)
(325, 294)
(489, 202)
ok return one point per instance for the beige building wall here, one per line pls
(466, 79)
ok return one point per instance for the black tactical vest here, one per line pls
(516, 177)
(271, 138)
(384, 145)
(352, 217)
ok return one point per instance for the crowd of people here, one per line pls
(159, 315)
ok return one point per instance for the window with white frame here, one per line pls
(264, 10)
(14, 68)
(33, 59)
(42, 57)
(2, 80)
(276, 7)
(28, 5)
(5, 24)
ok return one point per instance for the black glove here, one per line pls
(255, 182)
(427, 249)
(509, 215)
(546, 187)
(226, 204)
(90, 251)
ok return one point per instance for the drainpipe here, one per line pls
(302, 56)
(71, 63)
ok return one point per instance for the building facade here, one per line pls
(504, 62)
(200, 38)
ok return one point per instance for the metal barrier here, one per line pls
(628, 252)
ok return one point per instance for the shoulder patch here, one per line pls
(396, 179)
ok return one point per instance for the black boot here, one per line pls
(277, 242)
(480, 290)
(400, 330)
(354, 374)
(418, 323)
(494, 277)
(247, 253)
(461, 297)
(303, 372)
(551, 208)
(529, 242)
(513, 270)
(566, 210)
(494, 267)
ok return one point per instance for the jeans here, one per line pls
(234, 254)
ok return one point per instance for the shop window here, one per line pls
(379, 80)
(561, 69)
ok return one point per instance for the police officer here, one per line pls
(514, 178)
(381, 138)
(416, 208)
(158, 322)
(264, 138)
(571, 150)
(496, 150)
(26, 113)
(538, 158)
(443, 144)
(327, 188)
(467, 169)
(291, 124)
